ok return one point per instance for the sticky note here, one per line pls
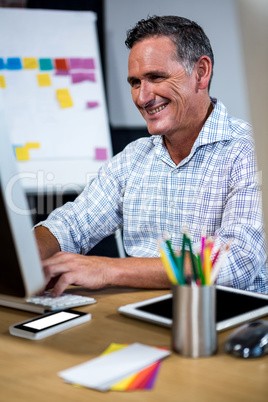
(30, 63)
(2, 81)
(80, 63)
(80, 77)
(14, 63)
(30, 145)
(45, 64)
(62, 72)
(75, 63)
(2, 64)
(61, 64)
(43, 80)
(88, 64)
(101, 154)
(64, 98)
(22, 153)
(91, 105)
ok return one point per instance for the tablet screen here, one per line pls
(228, 305)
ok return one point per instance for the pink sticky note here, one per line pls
(91, 105)
(101, 154)
(88, 64)
(80, 77)
(89, 76)
(77, 77)
(75, 63)
(62, 72)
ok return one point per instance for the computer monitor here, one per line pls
(21, 273)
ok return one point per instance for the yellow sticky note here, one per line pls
(43, 80)
(29, 145)
(64, 98)
(66, 103)
(62, 94)
(2, 82)
(22, 153)
(30, 63)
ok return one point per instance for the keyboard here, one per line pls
(45, 303)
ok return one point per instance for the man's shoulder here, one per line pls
(233, 127)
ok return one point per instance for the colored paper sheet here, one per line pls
(45, 64)
(124, 384)
(64, 98)
(22, 154)
(113, 347)
(14, 63)
(151, 382)
(30, 63)
(2, 64)
(91, 105)
(61, 64)
(138, 381)
(43, 80)
(80, 77)
(145, 379)
(101, 154)
(2, 81)
(104, 371)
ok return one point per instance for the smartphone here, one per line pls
(48, 324)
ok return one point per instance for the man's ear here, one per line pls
(203, 72)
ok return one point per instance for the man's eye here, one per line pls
(135, 83)
(157, 78)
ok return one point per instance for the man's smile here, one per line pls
(156, 110)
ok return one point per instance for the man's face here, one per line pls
(162, 91)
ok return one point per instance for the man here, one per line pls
(197, 170)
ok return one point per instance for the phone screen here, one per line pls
(50, 320)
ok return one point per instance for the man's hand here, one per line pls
(64, 269)
(93, 272)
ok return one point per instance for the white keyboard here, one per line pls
(62, 302)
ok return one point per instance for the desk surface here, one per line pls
(28, 370)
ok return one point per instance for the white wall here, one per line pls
(219, 20)
(253, 20)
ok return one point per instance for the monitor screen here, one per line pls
(21, 272)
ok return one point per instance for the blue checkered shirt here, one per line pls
(214, 191)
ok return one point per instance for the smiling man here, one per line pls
(197, 170)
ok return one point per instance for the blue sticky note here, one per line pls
(14, 146)
(2, 64)
(14, 63)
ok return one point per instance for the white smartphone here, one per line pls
(48, 324)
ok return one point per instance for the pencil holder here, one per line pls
(194, 320)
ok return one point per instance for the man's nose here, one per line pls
(145, 95)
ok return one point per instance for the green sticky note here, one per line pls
(45, 64)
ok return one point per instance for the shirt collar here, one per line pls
(215, 129)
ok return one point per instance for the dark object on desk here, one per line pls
(249, 340)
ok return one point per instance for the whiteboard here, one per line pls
(218, 18)
(52, 88)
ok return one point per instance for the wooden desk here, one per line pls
(28, 370)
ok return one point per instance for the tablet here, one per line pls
(233, 307)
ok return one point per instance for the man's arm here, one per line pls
(94, 272)
(46, 242)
